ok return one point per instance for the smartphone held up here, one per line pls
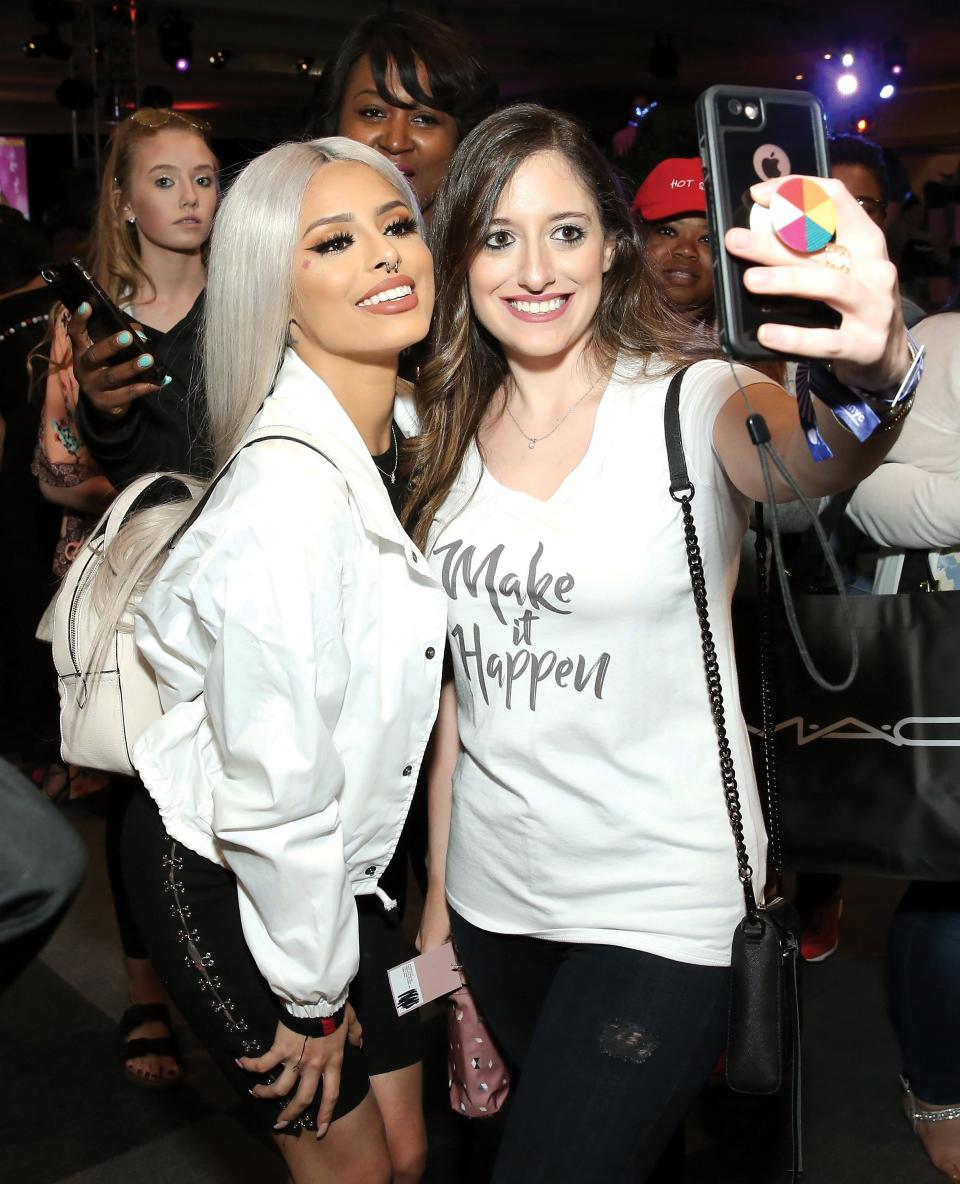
(77, 286)
(748, 136)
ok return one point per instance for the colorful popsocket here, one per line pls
(804, 218)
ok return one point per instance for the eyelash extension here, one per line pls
(336, 242)
(405, 225)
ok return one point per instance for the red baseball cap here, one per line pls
(673, 188)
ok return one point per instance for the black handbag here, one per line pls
(763, 1037)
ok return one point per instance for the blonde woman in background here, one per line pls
(155, 213)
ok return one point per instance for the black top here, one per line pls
(394, 879)
(164, 431)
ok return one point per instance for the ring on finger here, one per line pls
(836, 257)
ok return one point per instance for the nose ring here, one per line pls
(393, 267)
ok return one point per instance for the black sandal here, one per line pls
(143, 1046)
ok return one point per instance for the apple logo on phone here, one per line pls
(771, 161)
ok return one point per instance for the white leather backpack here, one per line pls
(104, 712)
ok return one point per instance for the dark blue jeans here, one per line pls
(925, 989)
(613, 1046)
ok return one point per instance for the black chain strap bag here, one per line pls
(763, 1036)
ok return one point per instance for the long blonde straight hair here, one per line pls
(249, 289)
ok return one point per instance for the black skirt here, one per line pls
(189, 915)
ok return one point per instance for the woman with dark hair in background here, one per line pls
(673, 207)
(590, 873)
(409, 86)
(402, 83)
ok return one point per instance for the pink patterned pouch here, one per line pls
(479, 1077)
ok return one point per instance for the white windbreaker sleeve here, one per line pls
(273, 691)
(900, 505)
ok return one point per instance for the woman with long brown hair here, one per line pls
(580, 849)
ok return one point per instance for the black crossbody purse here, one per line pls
(763, 1035)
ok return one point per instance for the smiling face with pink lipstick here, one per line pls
(363, 276)
(536, 283)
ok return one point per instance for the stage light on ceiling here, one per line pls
(888, 91)
(895, 55)
(847, 84)
(52, 14)
(847, 59)
(862, 125)
(176, 46)
(828, 57)
(219, 58)
(304, 65)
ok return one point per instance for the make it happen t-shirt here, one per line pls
(587, 800)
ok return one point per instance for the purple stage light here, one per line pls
(888, 91)
(847, 84)
(181, 65)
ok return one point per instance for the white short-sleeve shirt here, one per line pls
(588, 803)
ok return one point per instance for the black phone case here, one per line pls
(76, 285)
(791, 130)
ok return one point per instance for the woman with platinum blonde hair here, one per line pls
(297, 635)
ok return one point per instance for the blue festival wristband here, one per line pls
(850, 407)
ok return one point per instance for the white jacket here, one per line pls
(297, 635)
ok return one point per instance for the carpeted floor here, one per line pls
(69, 1117)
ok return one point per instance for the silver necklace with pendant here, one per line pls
(396, 455)
(533, 441)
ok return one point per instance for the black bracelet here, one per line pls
(313, 1026)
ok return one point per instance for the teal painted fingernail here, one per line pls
(124, 338)
(83, 309)
(145, 361)
(166, 379)
(140, 334)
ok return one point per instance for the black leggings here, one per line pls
(613, 1046)
(118, 794)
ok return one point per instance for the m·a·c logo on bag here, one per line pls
(851, 728)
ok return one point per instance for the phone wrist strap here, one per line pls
(860, 412)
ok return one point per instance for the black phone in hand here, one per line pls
(748, 135)
(76, 285)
